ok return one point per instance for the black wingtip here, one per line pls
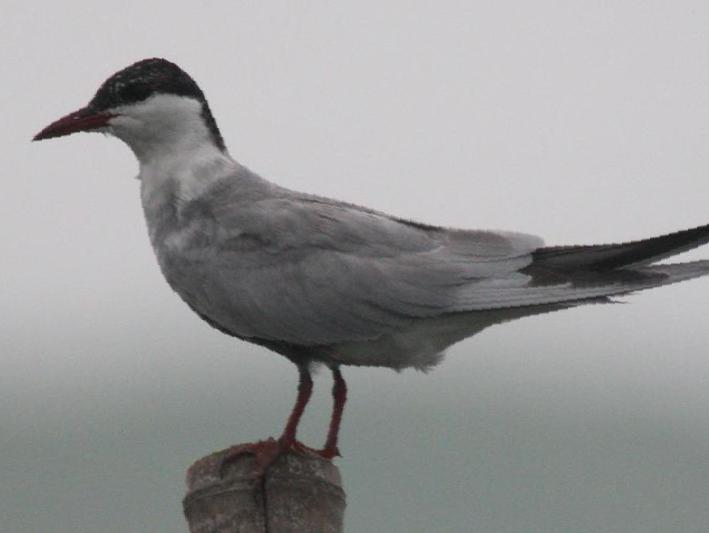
(621, 255)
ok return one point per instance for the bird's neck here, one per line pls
(177, 144)
(171, 184)
(184, 173)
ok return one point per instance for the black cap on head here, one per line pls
(145, 78)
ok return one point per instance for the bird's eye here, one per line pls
(134, 92)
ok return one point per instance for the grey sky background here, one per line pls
(578, 121)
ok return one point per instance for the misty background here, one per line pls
(582, 122)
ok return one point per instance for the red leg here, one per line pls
(267, 451)
(339, 396)
(305, 390)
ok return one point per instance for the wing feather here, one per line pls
(299, 269)
(267, 263)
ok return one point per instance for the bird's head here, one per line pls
(153, 106)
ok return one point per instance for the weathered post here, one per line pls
(300, 493)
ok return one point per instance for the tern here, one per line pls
(321, 281)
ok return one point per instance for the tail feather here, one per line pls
(623, 255)
(677, 272)
(578, 273)
(583, 286)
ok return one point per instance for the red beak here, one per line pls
(85, 119)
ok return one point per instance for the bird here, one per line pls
(325, 282)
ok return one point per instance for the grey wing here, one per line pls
(307, 271)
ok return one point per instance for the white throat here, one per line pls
(173, 145)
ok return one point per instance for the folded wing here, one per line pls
(309, 271)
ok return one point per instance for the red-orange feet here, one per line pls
(266, 452)
(329, 453)
(326, 453)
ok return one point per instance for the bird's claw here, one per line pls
(329, 453)
(266, 452)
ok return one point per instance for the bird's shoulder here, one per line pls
(254, 211)
(251, 212)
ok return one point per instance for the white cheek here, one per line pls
(123, 125)
(162, 107)
(168, 135)
(124, 121)
(160, 126)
